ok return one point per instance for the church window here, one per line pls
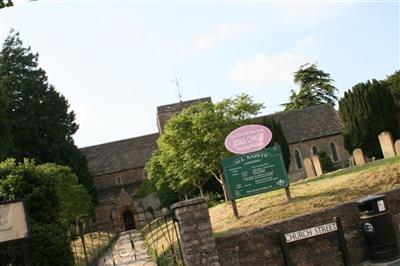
(334, 153)
(297, 156)
(314, 150)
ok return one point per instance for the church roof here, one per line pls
(308, 123)
(299, 125)
(120, 155)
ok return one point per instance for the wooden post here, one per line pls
(342, 242)
(284, 248)
(288, 195)
(234, 208)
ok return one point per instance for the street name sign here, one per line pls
(333, 227)
(311, 232)
(255, 172)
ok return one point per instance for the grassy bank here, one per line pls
(96, 244)
(309, 195)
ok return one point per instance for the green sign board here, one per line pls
(255, 172)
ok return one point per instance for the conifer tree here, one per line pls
(4, 125)
(393, 82)
(279, 138)
(40, 121)
(5, 3)
(315, 88)
(367, 110)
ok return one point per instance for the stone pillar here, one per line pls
(317, 165)
(359, 158)
(387, 145)
(196, 235)
(397, 146)
(309, 167)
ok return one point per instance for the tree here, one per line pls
(326, 162)
(279, 138)
(163, 182)
(192, 145)
(53, 199)
(4, 3)
(74, 199)
(367, 110)
(315, 88)
(4, 123)
(393, 81)
(41, 123)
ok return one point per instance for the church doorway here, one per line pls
(129, 223)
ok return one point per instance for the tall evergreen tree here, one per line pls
(4, 3)
(393, 82)
(367, 110)
(279, 138)
(315, 88)
(41, 123)
(4, 125)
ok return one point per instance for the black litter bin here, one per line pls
(378, 228)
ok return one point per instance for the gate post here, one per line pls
(196, 235)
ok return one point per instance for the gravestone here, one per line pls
(387, 145)
(317, 165)
(359, 158)
(397, 146)
(309, 167)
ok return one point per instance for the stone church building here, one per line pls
(117, 168)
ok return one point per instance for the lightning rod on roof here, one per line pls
(176, 81)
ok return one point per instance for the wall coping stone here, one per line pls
(189, 202)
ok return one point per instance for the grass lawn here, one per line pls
(95, 243)
(309, 195)
(161, 238)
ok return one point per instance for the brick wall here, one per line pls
(260, 246)
(322, 144)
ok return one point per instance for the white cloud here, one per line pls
(306, 42)
(220, 33)
(264, 69)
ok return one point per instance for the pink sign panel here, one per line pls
(248, 138)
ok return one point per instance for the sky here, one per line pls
(115, 61)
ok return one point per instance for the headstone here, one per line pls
(359, 158)
(309, 167)
(387, 145)
(317, 165)
(397, 146)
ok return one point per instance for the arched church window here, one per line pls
(334, 153)
(314, 150)
(297, 157)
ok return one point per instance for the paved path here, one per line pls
(129, 250)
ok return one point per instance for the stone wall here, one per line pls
(196, 237)
(116, 194)
(119, 178)
(260, 246)
(322, 144)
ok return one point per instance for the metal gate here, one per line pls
(156, 243)
(162, 240)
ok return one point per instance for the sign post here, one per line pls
(332, 227)
(255, 170)
(255, 173)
